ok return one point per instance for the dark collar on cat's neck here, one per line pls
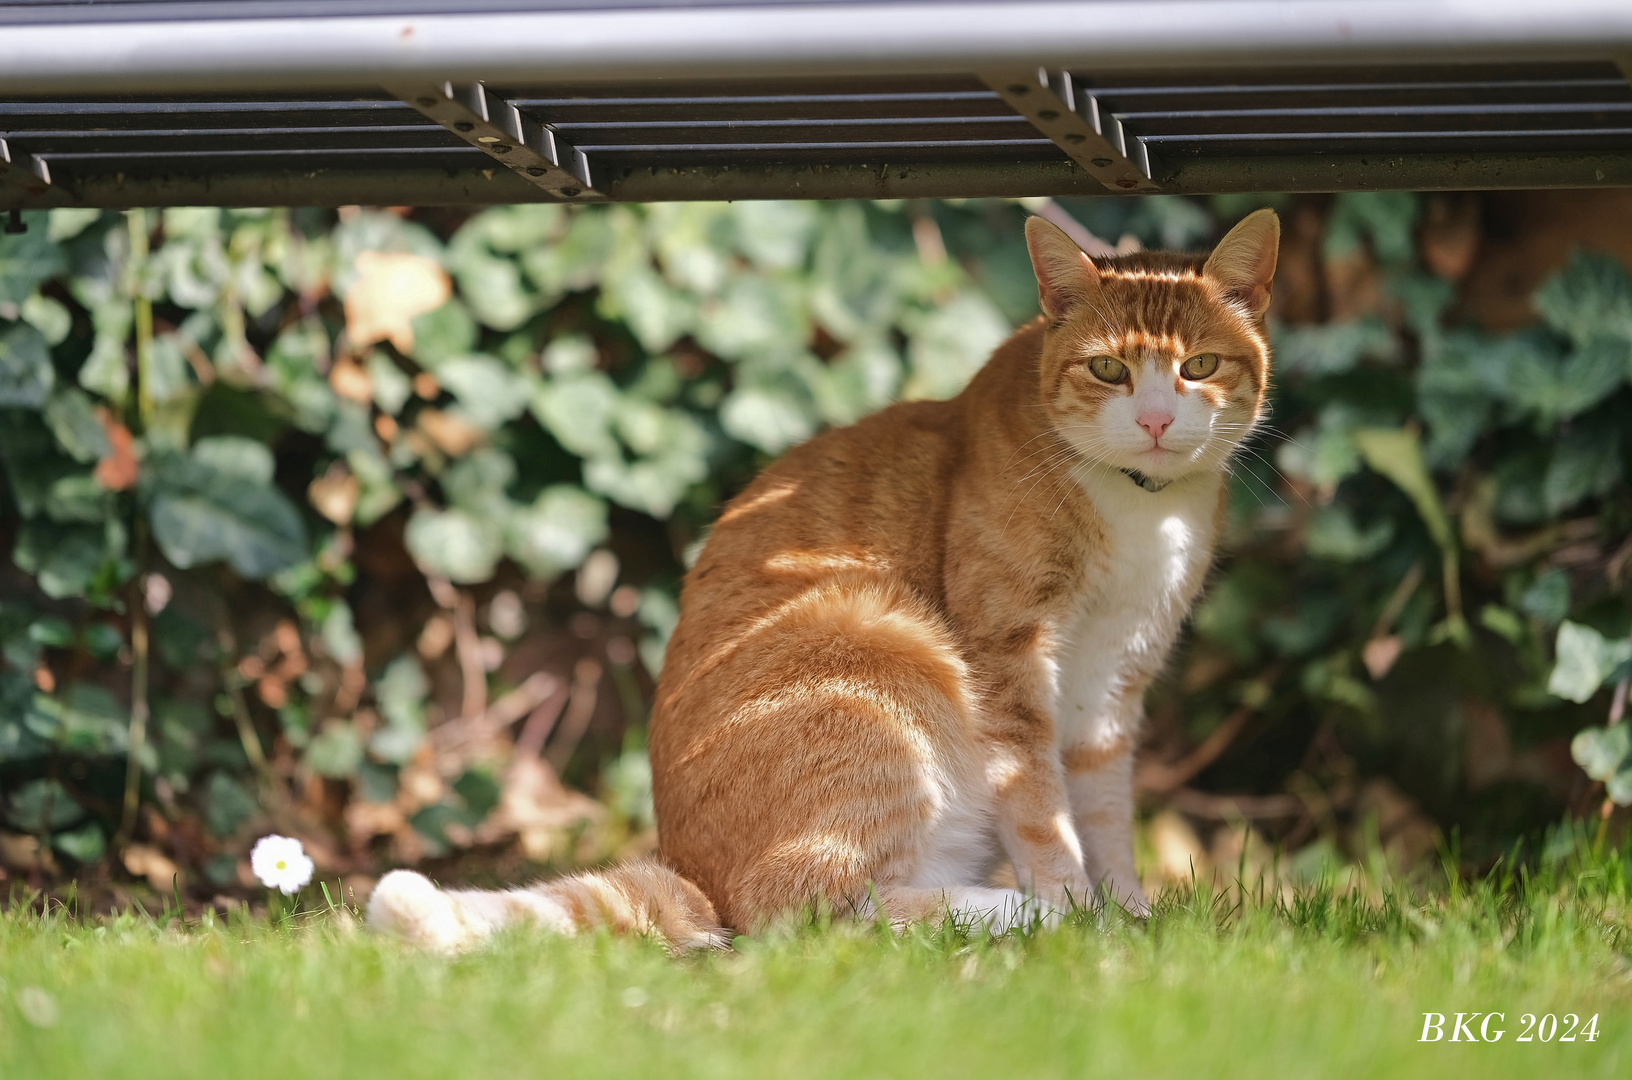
(1149, 483)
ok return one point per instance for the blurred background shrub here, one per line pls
(368, 526)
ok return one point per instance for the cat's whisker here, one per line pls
(1045, 433)
(1285, 481)
(1042, 472)
(1253, 491)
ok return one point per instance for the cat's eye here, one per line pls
(1108, 369)
(1199, 367)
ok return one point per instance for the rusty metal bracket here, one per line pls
(27, 174)
(500, 130)
(1071, 117)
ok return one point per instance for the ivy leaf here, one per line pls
(27, 261)
(454, 544)
(68, 560)
(949, 344)
(769, 417)
(340, 637)
(775, 234)
(1334, 534)
(492, 286)
(17, 645)
(861, 380)
(1619, 786)
(77, 498)
(442, 334)
(1590, 298)
(86, 844)
(753, 315)
(33, 463)
(50, 317)
(378, 482)
(336, 751)
(1387, 217)
(490, 390)
(237, 457)
(218, 503)
(401, 692)
(71, 416)
(40, 806)
(19, 741)
(576, 260)
(391, 387)
(1586, 462)
(1548, 599)
(168, 373)
(106, 370)
(1585, 659)
(476, 482)
(294, 360)
(1603, 751)
(513, 229)
(226, 805)
(26, 375)
(555, 533)
(1554, 388)
(656, 313)
(91, 721)
(1455, 394)
(1333, 348)
(650, 485)
(578, 409)
(67, 222)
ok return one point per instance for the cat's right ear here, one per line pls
(1066, 277)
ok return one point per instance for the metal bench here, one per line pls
(393, 102)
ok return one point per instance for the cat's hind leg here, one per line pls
(826, 754)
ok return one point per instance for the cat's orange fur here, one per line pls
(918, 645)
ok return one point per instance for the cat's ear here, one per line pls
(1066, 277)
(1244, 261)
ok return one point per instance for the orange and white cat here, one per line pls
(918, 646)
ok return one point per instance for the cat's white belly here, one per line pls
(1137, 596)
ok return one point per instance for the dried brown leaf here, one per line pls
(391, 288)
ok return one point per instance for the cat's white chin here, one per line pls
(1166, 463)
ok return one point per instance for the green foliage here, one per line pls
(222, 448)
(217, 503)
(1586, 660)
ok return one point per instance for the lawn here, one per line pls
(1332, 980)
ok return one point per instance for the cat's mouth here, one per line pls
(1166, 460)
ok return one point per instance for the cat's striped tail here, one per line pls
(642, 897)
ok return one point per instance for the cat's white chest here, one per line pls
(1138, 591)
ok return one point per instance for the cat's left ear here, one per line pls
(1244, 261)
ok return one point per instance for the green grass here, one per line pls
(1332, 983)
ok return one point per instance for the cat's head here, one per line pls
(1156, 362)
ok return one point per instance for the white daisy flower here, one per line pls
(281, 863)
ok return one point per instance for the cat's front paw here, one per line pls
(1128, 895)
(409, 906)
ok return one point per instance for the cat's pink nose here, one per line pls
(1155, 422)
